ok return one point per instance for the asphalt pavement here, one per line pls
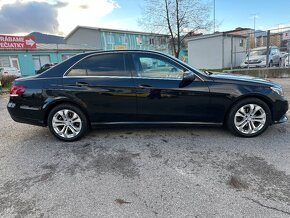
(144, 172)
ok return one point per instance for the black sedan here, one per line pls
(142, 87)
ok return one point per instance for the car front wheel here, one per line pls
(249, 117)
(67, 122)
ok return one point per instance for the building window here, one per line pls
(241, 43)
(139, 40)
(66, 56)
(124, 39)
(151, 41)
(9, 61)
(39, 61)
(4, 61)
(163, 41)
(14, 62)
(110, 39)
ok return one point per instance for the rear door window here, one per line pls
(101, 65)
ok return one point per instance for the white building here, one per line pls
(216, 51)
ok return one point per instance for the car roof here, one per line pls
(121, 51)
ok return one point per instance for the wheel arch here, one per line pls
(260, 97)
(55, 103)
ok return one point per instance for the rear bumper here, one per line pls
(25, 115)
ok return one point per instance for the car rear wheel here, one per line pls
(249, 117)
(67, 122)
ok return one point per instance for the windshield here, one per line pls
(258, 52)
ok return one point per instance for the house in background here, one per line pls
(109, 39)
(47, 38)
(28, 61)
(216, 51)
(249, 33)
(276, 39)
(55, 49)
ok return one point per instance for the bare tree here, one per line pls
(176, 18)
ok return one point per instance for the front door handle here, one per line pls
(82, 84)
(142, 86)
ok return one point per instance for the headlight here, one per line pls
(278, 90)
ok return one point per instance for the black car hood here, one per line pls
(242, 78)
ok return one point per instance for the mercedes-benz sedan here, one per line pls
(142, 87)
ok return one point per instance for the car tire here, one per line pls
(67, 122)
(249, 117)
(280, 63)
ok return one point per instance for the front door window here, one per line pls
(153, 66)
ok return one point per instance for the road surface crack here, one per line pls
(268, 207)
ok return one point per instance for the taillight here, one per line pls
(16, 90)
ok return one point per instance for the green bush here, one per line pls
(6, 81)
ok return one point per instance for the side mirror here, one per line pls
(188, 76)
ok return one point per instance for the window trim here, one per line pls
(130, 53)
(65, 75)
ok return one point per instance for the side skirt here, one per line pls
(156, 124)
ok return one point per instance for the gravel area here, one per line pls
(144, 172)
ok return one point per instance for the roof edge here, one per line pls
(112, 30)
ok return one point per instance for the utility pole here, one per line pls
(213, 16)
(254, 31)
(255, 16)
(268, 48)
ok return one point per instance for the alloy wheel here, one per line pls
(66, 123)
(250, 119)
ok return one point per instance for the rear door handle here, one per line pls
(142, 86)
(82, 84)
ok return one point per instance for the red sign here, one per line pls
(286, 36)
(17, 42)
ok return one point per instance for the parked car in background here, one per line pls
(287, 61)
(45, 67)
(142, 87)
(10, 71)
(258, 57)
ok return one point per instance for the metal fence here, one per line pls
(251, 48)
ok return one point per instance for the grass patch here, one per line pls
(216, 70)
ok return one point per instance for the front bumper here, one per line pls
(284, 119)
(261, 64)
(279, 110)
